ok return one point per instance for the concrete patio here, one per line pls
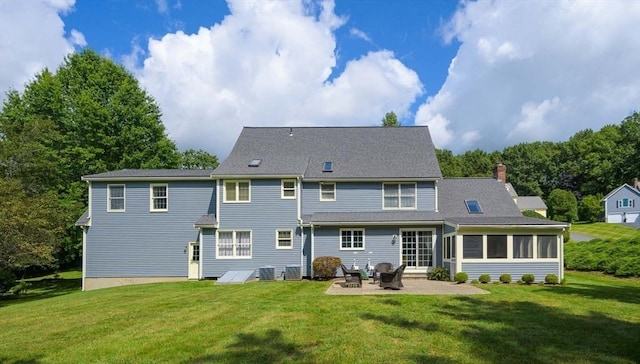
(411, 286)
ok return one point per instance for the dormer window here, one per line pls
(473, 206)
(328, 166)
(255, 162)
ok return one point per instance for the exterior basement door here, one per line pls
(194, 260)
(417, 249)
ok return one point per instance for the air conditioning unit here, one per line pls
(293, 273)
(267, 273)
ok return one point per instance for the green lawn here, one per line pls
(595, 319)
(604, 230)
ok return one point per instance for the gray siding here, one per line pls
(359, 196)
(515, 269)
(378, 245)
(266, 213)
(140, 243)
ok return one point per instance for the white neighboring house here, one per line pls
(622, 205)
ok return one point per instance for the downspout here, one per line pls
(84, 237)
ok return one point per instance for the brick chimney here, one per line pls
(500, 172)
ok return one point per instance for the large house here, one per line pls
(622, 205)
(286, 196)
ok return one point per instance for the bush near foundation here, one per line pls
(505, 278)
(461, 277)
(326, 267)
(551, 279)
(484, 278)
(528, 278)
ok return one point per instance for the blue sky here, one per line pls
(481, 74)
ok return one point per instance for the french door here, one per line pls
(417, 248)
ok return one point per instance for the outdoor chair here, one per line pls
(392, 279)
(351, 276)
(379, 268)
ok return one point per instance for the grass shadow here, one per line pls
(401, 322)
(253, 348)
(525, 331)
(626, 294)
(44, 288)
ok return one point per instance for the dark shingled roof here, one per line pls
(498, 207)
(493, 198)
(356, 153)
(373, 216)
(150, 173)
(531, 203)
(206, 221)
(84, 219)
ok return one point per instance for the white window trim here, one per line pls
(236, 184)
(151, 197)
(415, 196)
(630, 203)
(278, 239)
(510, 258)
(352, 248)
(124, 198)
(327, 184)
(234, 240)
(282, 189)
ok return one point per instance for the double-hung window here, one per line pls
(289, 188)
(399, 195)
(351, 239)
(233, 244)
(159, 196)
(284, 239)
(237, 191)
(327, 191)
(115, 196)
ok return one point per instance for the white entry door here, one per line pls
(194, 260)
(417, 249)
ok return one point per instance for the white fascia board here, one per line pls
(385, 223)
(148, 179)
(256, 176)
(372, 179)
(509, 227)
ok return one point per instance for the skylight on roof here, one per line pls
(328, 166)
(255, 162)
(473, 206)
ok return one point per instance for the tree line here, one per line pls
(89, 116)
(584, 168)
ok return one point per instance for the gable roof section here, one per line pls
(150, 174)
(624, 186)
(356, 152)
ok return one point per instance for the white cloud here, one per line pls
(360, 34)
(535, 70)
(268, 64)
(32, 37)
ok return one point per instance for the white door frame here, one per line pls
(433, 249)
(193, 260)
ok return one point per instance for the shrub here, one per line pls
(505, 278)
(326, 267)
(461, 277)
(551, 279)
(7, 280)
(528, 278)
(484, 278)
(21, 287)
(611, 256)
(439, 274)
(475, 281)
